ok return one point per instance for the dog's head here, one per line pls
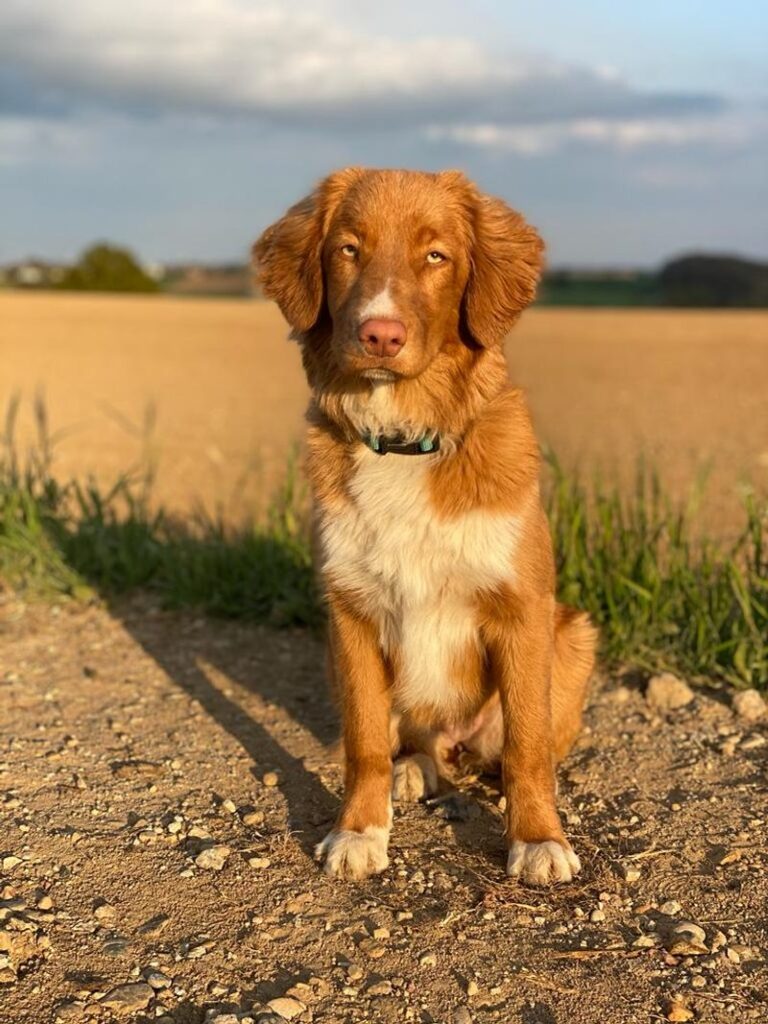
(394, 265)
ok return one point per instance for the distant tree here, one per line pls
(714, 281)
(106, 268)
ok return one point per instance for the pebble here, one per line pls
(630, 873)
(686, 939)
(666, 692)
(427, 960)
(212, 858)
(104, 912)
(462, 1016)
(380, 988)
(259, 862)
(472, 988)
(158, 980)
(670, 908)
(749, 704)
(597, 916)
(286, 1007)
(229, 806)
(10, 861)
(129, 998)
(252, 818)
(270, 779)
(45, 903)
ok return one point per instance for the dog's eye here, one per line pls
(435, 257)
(349, 250)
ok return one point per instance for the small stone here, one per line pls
(670, 908)
(270, 779)
(229, 806)
(253, 818)
(259, 862)
(630, 873)
(428, 960)
(198, 832)
(380, 988)
(686, 939)
(127, 999)
(472, 988)
(10, 861)
(718, 941)
(597, 916)
(157, 980)
(461, 1015)
(212, 858)
(677, 1011)
(381, 933)
(749, 705)
(666, 692)
(286, 1007)
(104, 912)
(620, 694)
(45, 903)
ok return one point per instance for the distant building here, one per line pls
(32, 273)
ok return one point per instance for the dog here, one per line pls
(434, 549)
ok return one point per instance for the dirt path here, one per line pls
(130, 736)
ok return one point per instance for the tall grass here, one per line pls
(664, 597)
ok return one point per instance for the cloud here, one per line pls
(729, 129)
(259, 59)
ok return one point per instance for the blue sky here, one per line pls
(626, 132)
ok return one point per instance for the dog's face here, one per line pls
(395, 265)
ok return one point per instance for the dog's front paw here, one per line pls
(542, 863)
(413, 778)
(354, 855)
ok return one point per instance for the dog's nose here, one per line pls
(382, 337)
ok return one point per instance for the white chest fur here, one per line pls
(416, 575)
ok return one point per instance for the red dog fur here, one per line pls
(438, 569)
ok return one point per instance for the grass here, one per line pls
(664, 597)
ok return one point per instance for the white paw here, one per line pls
(354, 855)
(542, 863)
(413, 778)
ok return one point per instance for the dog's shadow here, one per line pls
(281, 669)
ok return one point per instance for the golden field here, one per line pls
(213, 391)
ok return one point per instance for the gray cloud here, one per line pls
(226, 57)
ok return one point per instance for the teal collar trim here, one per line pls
(383, 445)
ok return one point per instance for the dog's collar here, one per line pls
(394, 444)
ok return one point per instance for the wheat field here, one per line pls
(211, 392)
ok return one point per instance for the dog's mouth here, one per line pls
(379, 373)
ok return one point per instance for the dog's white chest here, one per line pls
(416, 575)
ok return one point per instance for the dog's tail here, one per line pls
(575, 644)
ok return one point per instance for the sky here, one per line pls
(628, 133)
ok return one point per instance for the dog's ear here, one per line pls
(505, 266)
(288, 255)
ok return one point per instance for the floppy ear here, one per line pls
(506, 262)
(288, 254)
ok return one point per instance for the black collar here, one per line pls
(383, 445)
